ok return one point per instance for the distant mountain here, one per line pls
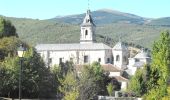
(160, 21)
(103, 16)
(111, 25)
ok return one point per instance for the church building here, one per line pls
(113, 59)
(85, 52)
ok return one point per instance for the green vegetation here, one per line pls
(161, 21)
(160, 68)
(41, 82)
(101, 17)
(127, 26)
(93, 82)
(83, 86)
(36, 78)
(152, 81)
(138, 82)
(6, 28)
(110, 89)
(35, 31)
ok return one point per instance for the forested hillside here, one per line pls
(129, 27)
(103, 16)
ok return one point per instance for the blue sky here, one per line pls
(45, 9)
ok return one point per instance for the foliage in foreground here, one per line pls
(151, 82)
(6, 28)
(90, 82)
(138, 82)
(36, 79)
(110, 88)
(160, 68)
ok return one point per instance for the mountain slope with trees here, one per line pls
(126, 26)
(103, 16)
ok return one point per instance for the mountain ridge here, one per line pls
(36, 31)
(102, 16)
(108, 16)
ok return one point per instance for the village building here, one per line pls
(113, 60)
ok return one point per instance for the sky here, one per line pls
(46, 9)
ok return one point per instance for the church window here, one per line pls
(86, 32)
(136, 60)
(99, 59)
(71, 59)
(88, 20)
(50, 61)
(60, 60)
(117, 58)
(85, 59)
(108, 60)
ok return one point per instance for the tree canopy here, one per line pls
(152, 81)
(6, 28)
(160, 67)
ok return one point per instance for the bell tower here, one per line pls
(87, 29)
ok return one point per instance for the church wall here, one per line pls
(118, 60)
(64, 56)
(93, 56)
(54, 57)
(143, 60)
(108, 56)
(89, 33)
(112, 74)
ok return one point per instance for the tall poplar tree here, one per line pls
(160, 68)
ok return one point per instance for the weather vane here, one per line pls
(88, 4)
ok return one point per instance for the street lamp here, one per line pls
(21, 52)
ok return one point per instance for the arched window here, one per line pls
(117, 58)
(86, 32)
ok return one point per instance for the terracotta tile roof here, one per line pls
(106, 67)
(111, 68)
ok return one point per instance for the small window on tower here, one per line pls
(88, 20)
(99, 59)
(117, 58)
(60, 60)
(108, 60)
(71, 59)
(85, 59)
(50, 60)
(86, 32)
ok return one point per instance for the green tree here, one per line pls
(110, 89)
(69, 86)
(139, 82)
(36, 78)
(65, 80)
(93, 82)
(160, 68)
(8, 47)
(6, 28)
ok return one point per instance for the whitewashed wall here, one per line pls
(112, 74)
(77, 56)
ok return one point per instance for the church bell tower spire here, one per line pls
(87, 29)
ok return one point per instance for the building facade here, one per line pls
(88, 51)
